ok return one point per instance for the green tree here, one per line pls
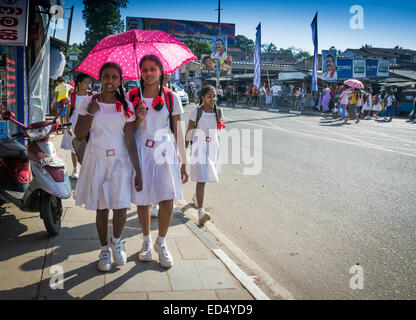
(245, 44)
(198, 47)
(73, 48)
(300, 54)
(269, 48)
(102, 18)
(366, 46)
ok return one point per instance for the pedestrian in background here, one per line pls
(206, 119)
(106, 172)
(82, 82)
(254, 93)
(62, 91)
(359, 105)
(275, 94)
(263, 94)
(326, 96)
(268, 96)
(377, 106)
(352, 106)
(367, 104)
(220, 93)
(390, 104)
(343, 101)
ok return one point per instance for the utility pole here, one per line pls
(69, 30)
(219, 33)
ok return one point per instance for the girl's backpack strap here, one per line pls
(73, 100)
(198, 115)
(168, 94)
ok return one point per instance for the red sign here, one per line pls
(13, 22)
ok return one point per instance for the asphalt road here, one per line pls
(329, 196)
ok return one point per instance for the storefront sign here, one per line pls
(13, 22)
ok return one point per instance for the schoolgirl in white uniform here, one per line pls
(377, 105)
(161, 174)
(82, 81)
(205, 151)
(106, 174)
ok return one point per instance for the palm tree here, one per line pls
(269, 48)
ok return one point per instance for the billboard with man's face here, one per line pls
(329, 64)
(219, 47)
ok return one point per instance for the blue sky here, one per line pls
(286, 23)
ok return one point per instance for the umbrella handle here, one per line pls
(137, 66)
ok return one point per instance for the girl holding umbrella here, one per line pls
(157, 150)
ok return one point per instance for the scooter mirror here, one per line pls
(7, 115)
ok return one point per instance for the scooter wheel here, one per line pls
(51, 213)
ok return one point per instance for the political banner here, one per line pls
(226, 64)
(344, 68)
(219, 47)
(13, 22)
(371, 67)
(383, 68)
(207, 63)
(358, 70)
(329, 64)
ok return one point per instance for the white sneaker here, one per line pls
(119, 252)
(203, 216)
(104, 264)
(75, 174)
(154, 210)
(165, 258)
(145, 254)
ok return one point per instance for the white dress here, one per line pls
(158, 156)
(106, 173)
(67, 139)
(377, 107)
(205, 151)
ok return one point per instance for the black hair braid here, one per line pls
(215, 110)
(121, 97)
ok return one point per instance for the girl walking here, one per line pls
(105, 178)
(157, 152)
(82, 81)
(377, 105)
(206, 119)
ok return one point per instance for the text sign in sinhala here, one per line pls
(13, 22)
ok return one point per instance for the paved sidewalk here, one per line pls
(29, 260)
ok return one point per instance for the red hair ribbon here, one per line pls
(158, 101)
(136, 102)
(220, 125)
(129, 113)
(119, 105)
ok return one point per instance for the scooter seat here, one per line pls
(10, 149)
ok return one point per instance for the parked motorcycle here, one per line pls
(34, 177)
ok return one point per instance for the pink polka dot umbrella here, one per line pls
(127, 49)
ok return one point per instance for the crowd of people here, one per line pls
(136, 153)
(346, 103)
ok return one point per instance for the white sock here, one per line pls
(115, 240)
(104, 248)
(147, 238)
(161, 240)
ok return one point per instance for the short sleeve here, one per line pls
(177, 105)
(192, 114)
(131, 108)
(84, 105)
(57, 89)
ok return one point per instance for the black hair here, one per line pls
(155, 59)
(205, 89)
(332, 57)
(79, 78)
(120, 92)
(60, 79)
(204, 59)
(219, 39)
